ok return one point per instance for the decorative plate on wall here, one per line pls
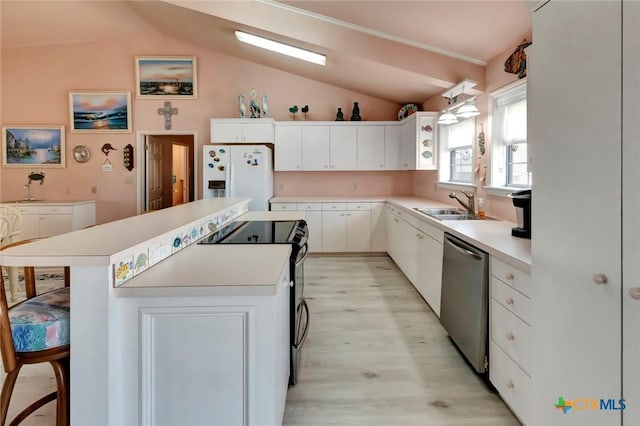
(81, 154)
(407, 110)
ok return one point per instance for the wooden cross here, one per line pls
(167, 111)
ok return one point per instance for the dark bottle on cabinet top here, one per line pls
(355, 114)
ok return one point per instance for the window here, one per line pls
(456, 152)
(509, 156)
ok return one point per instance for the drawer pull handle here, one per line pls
(510, 384)
(634, 292)
(511, 337)
(509, 276)
(509, 300)
(600, 278)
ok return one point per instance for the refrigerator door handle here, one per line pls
(229, 183)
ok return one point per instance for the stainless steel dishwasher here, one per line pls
(464, 303)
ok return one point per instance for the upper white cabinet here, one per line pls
(392, 147)
(288, 146)
(371, 147)
(343, 151)
(350, 146)
(418, 142)
(242, 130)
(576, 247)
(315, 148)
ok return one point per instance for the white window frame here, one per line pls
(444, 157)
(514, 92)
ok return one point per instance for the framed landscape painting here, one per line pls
(173, 77)
(29, 146)
(100, 112)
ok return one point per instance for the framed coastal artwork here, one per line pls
(168, 77)
(100, 112)
(29, 146)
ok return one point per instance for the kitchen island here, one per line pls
(165, 331)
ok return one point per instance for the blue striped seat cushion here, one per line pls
(41, 322)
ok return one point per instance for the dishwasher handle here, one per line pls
(453, 244)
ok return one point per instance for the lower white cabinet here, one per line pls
(347, 230)
(510, 331)
(40, 220)
(335, 227)
(416, 247)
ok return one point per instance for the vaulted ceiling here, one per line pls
(400, 51)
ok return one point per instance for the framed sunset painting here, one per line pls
(100, 112)
(170, 77)
(29, 146)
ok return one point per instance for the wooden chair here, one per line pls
(35, 331)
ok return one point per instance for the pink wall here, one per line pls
(348, 184)
(425, 181)
(36, 81)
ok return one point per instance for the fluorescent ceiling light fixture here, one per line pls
(282, 48)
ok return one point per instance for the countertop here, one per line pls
(21, 203)
(219, 269)
(492, 236)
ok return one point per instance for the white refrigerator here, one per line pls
(239, 171)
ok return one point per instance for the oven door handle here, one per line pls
(306, 326)
(305, 247)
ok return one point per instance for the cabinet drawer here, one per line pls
(334, 206)
(310, 206)
(29, 210)
(511, 299)
(284, 206)
(511, 275)
(358, 206)
(513, 384)
(511, 334)
(432, 231)
(56, 210)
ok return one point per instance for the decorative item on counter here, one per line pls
(293, 111)
(305, 110)
(339, 115)
(355, 114)
(167, 111)
(36, 176)
(106, 148)
(481, 140)
(406, 111)
(265, 106)
(241, 106)
(516, 63)
(253, 105)
(128, 157)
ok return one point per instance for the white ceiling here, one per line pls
(400, 51)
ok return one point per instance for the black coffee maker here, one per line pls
(522, 203)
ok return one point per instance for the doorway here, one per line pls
(168, 169)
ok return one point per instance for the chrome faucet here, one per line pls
(470, 205)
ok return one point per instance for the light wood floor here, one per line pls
(375, 355)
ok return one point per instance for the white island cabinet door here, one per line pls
(575, 263)
(315, 148)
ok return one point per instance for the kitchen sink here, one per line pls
(451, 214)
(442, 211)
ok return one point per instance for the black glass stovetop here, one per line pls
(254, 232)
